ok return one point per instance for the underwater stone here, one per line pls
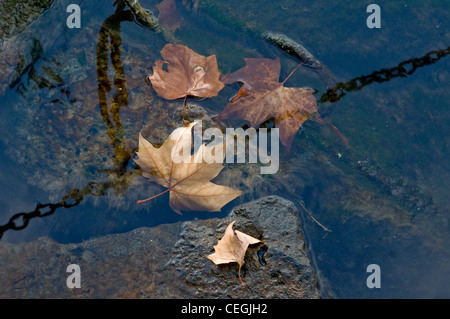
(169, 261)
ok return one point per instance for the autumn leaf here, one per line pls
(187, 177)
(232, 248)
(188, 73)
(262, 97)
(168, 15)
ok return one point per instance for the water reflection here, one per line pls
(109, 41)
(109, 49)
(374, 214)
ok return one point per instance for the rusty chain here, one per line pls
(20, 221)
(403, 69)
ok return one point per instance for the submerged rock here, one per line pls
(297, 50)
(16, 16)
(169, 261)
(277, 268)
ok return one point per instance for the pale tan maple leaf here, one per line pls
(232, 248)
(187, 176)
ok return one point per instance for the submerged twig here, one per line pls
(312, 217)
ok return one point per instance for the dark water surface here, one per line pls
(71, 112)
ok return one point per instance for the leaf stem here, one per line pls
(171, 187)
(144, 200)
(242, 282)
(183, 111)
(299, 65)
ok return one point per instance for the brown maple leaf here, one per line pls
(187, 177)
(262, 97)
(232, 248)
(188, 73)
(168, 15)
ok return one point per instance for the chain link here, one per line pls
(75, 196)
(110, 33)
(72, 198)
(402, 70)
